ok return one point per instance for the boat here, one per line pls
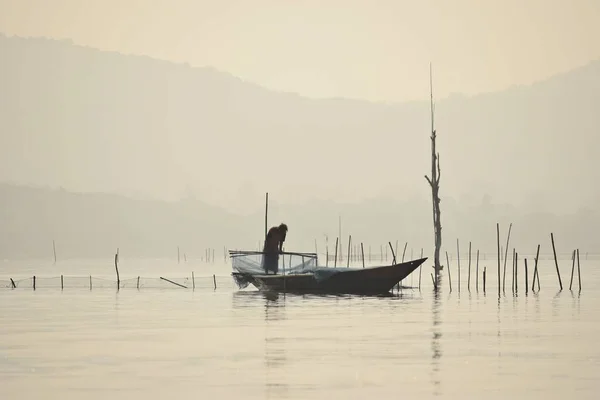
(300, 273)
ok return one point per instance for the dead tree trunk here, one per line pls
(434, 183)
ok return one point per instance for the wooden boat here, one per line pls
(373, 280)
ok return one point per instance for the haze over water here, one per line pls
(225, 343)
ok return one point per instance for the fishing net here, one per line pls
(140, 282)
(246, 264)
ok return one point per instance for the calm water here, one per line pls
(167, 342)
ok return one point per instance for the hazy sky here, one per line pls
(378, 50)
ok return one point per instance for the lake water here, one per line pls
(167, 342)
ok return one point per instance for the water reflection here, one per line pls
(436, 343)
(276, 386)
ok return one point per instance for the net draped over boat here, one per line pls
(249, 263)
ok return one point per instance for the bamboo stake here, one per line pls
(138, 283)
(506, 254)
(484, 269)
(516, 272)
(349, 242)
(34, 282)
(535, 271)
(62, 284)
(578, 270)
(193, 281)
(458, 259)
(498, 240)
(526, 278)
(572, 270)
(13, 283)
(449, 276)
(174, 283)
(336, 249)
(362, 252)
(477, 273)
(556, 261)
(469, 275)
(404, 251)
(117, 269)
(90, 282)
(215, 280)
(393, 254)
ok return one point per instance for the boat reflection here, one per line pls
(276, 386)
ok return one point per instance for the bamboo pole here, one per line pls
(62, 283)
(174, 283)
(215, 280)
(526, 278)
(117, 269)
(572, 270)
(193, 281)
(34, 282)
(404, 251)
(138, 283)
(449, 275)
(349, 247)
(477, 273)
(578, 270)
(506, 254)
(516, 272)
(266, 213)
(336, 251)
(469, 275)
(535, 271)
(484, 269)
(362, 252)
(498, 240)
(393, 254)
(90, 282)
(458, 259)
(556, 260)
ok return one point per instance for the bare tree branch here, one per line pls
(428, 180)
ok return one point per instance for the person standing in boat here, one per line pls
(274, 246)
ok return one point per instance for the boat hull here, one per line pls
(375, 280)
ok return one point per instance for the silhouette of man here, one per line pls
(274, 246)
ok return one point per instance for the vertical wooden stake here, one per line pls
(484, 269)
(54, 249)
(516, 272)
(449, 275)
(556, 261)
(469, 275)
(362, 252)
(193, 281)
(117, 269)
(336, 249)
(498, 240)
(506, 255)
(90, 282)
(34, 282)
(477, 273)
(215, 281)
(62, 284)
(266, 214)
(349, 247)
(572, 270)
(458, 259)
(578, 270)
(526, 278)
(12, 283)
(138, 283)
(404, 251)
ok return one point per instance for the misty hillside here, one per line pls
(97, 121)
(90, 225)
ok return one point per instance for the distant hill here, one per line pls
(93, 225)
(96, 121)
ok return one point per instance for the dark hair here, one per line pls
(283, 227)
